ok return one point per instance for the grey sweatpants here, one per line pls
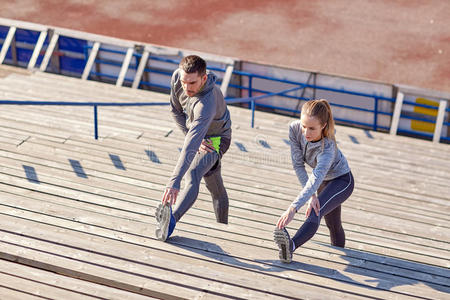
(206, 166)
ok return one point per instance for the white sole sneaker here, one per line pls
(281, 237)
(162, 216)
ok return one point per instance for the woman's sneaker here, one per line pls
(165, 221)
(284, 243)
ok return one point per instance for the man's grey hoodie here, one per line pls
(201, 116)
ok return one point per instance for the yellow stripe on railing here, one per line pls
(421, 125)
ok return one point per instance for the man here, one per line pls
(201, 113)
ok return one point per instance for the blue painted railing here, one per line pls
(415, 118)
(80, 46)
(374, 125)
(93, 104)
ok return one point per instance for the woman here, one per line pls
(330, 183)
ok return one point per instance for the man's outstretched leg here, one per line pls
(200, 165)
(165, 222)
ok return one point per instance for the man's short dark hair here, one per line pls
(192, 64)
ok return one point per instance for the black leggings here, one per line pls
(331, 195)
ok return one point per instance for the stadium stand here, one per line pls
(77, 213)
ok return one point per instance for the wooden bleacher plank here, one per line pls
(397, 221)
(185, 272)
(6, 71)
(144, 285)
(271, 123)
(71, 212)
(14, 294)
(380, 278)
(280, 139)
(327, 238)
(102, 84)
(49, 133)
(11, 141)
(162, 182)
(85, 119)
(225, 156)
(62, 124)
(42, 84)
(416, 196)
(37, 289)
(19, 132)
(16, 136)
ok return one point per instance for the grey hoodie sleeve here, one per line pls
(204, 112)
(296, 153)
(324, 161)
(176, 109)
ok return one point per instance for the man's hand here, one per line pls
(286, 217)
(170, 196)
(313, 204)
(206, 146)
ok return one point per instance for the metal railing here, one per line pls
(374, 125)
(247, 89)
(430, 120)
(250, 90)
(95, 105)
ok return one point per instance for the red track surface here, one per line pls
(393, 41)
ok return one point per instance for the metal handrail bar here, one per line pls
(417, 119)
(420, 105)
(261, 77)
(97, 104)
(155, 85)
(258, 76)
(315, 86)
(94, 104)
(252, 100)
(376, 98)
(423, 134)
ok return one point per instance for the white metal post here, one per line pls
(7, 43)
(125, 65)
(37, 50)
(49, 52)
(90, 62)
(397, 111)
(140, 70)
(439, 121)
(226, 80)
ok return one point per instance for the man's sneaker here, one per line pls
(165, 222)
(284, 243)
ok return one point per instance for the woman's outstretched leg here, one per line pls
(331, 195)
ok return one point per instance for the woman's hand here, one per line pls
(286, 217)
(313, 203)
